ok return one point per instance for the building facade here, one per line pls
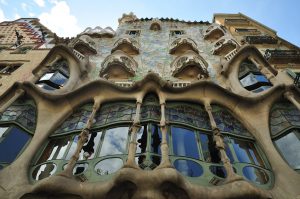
(158, 109)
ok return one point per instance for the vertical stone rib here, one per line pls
(18, 93)
(290, 96)
(219, 141)
(83, 138)
(133, 143)
(165, 161)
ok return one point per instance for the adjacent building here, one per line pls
(159, 108)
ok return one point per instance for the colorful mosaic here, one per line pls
(227, 123)
(283, 116)
(115, 113)
(23, 112)
(194, 116)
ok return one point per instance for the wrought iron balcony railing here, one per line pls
(261, 40)
(282, 56)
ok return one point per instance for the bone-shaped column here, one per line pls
(133, 142)
(219, 141)
(83, 138)
(165, 161)
(18, 93)
(290, 96)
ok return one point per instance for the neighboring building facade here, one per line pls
(158, 109)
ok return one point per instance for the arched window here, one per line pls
(241, 148)
(285, 132)
(251, 78)
(56, 77)
(17, 125)
(105, 151)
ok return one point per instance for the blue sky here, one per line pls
(70, 17)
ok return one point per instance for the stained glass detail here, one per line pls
(115, 113)
(227, 123)
(195, 116)
(77, 120)
(283, 115)
(23, 112)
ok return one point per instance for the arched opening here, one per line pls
(56, 76)
(285, 132)
(251, 78)
(17, 126)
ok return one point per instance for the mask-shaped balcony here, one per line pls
(214, 32)
(224, 45)
(118, 66)
(128, 45)
(84, 44)
(183, 44)
(190, 66)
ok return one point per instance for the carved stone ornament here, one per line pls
(156, 25)
(183, 41)
(119, 58)
(131, 44)
(190, 58)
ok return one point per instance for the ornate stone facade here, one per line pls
(158, 109)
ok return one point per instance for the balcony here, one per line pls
(282, 56)
(261, 40)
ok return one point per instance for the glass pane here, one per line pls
(45, 86)
(88, 150)
(155, 139)
(43, 171)
(12, 144)
(209, 150)
(2, 130)
(246, 152)
(289, 147)
(184, 142)
(218, 171)
(80, 168)
(142, 139)
(256, 175)
(47, 76)
(188, 168)
(55, 149)
(108, 166)
(115, 141)
(58, 79)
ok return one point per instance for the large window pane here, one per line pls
(12, 144)
(246, 152)
(142, 139)
(289, 147)
(89, 148)
(209, 150)
(184, 142)
(55, 149)
(156, 138)
(115, 141)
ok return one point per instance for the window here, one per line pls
(133, 33)
(174, 33)
(56, 77)
(251, 78)
(12, 140)
(7, 69)
(284, 126)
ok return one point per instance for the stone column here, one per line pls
(219, 141)
(18, 93)
(133, 142)
(290, 96)
(83, 138)
(165, 161)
